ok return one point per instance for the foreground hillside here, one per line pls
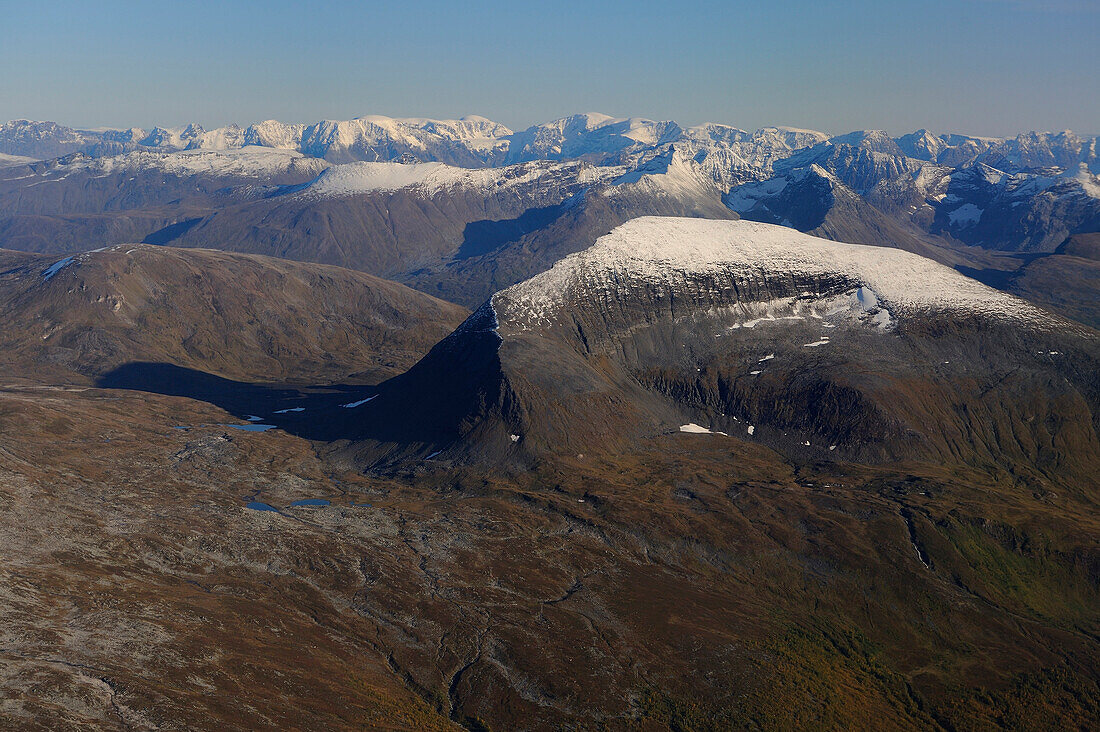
(700, 475)
(700, 583)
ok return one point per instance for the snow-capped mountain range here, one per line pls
(465, 207)
(729, 153)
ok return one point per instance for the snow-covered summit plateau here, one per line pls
(666, 254)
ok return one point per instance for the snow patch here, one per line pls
(695, 429)
(353, 179)
(244, 162)
(56, 267)
(1090, 183)
(744, 198)
(669, 175)
(353, 405)
(966, 215)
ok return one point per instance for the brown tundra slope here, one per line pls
(240, 316)
(603, 568)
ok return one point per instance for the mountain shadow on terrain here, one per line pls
(486, 236)
(1000, 279)
(1064, 281)
(313, 413)
(160, 237)
(325, 413)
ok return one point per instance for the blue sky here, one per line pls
(974, 66)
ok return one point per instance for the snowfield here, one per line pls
(695, 429)
(247, 162)
(351, 179)
(665, 252)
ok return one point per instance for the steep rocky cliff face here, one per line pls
(818, 349)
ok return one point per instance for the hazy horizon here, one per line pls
(245, 123)
(965, 67)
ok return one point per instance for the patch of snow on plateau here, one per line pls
(56, 267)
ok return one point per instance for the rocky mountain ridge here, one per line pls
(818, 349)
(476, 141)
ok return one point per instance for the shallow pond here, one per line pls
(254, 427)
